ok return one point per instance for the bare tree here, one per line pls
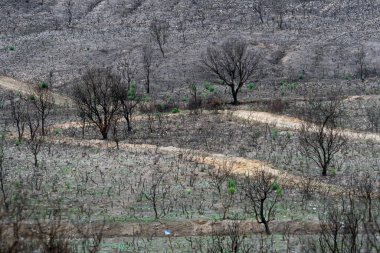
(158, 193)
(96, 97)
(340, 223)
(35, 146)
(366, 185)
(278, 9)
(263, 192)
(361, 63)
(259, 7)
(159, 30)
(147, 57)
(129, 99)
(32, 121)
(19, 114)
(231, 64)
(3, 172)
(234, 240)
(43, 100)
(69, 11)
(372, 110)
(319, 137)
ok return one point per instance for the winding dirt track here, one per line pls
(235, 165)
(291, 123)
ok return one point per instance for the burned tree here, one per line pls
(147, 56)
(95, 96)
(319, 138)
(19, 114)
(258, 6)
(159, 31)
(361, 62)
(263, 192)
(43, 101)
(127, 95)
(232, 64)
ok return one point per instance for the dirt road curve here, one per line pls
(236, 165)
(291, 123)
(14, 85)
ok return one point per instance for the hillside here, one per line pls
(56, 41)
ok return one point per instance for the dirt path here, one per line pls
(183, 228)
(291, 123)
(236, 165)
(14, 85)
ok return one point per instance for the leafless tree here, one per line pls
(69, 11)
(43, 100)
(96, 97)
(35, 146)
(159, 30)
(19, 114)
(372, 110)
(219, 176)
(319, 137)
(158, 193)
(365, 183)
(278, 9)
(340, 224)
(32, 121)
(263, 193)
(128, 96)
(3, 172)
(233, 240)
(361, 62)
(259, 7)
(147, 57)
(231, 64)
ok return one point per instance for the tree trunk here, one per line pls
(267, 230)
(105, 134)
(43, 126)
(129, 127)
(234, 95)
(324, 171)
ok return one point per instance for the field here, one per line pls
(189, 126)
(174, 172)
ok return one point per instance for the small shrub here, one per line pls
(209, 87)
(278, 189)
(132, 91)
(175, 110)
(232, 186)
(332, 171)
(251, 86)
(11, 48)
(274, 133)
(32, 97)
(18, 142)
(44, 85)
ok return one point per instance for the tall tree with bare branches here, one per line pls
(231, 64)
(159, 30)
(319, 137)
(95, 96)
